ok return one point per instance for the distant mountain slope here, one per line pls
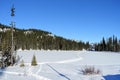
(37, 39)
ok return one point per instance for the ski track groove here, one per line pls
(59, 62)
(39, 70)
(30, 73)
(62, 75)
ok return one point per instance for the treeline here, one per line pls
(110, 44)
(37, 39)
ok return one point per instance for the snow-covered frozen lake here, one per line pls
(62, 65)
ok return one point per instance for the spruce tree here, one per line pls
(34, 62)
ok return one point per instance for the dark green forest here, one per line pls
(109, 44)
(37, 39)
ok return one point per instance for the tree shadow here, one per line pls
(112, 77)
(2, 71)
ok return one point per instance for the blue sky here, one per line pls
(86, 20)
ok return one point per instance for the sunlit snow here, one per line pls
(62, 65)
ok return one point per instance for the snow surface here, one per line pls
(62, 65)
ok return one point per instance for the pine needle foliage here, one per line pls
(34, 62)
(37, 39)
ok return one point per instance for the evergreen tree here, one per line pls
(38, 39)
(116, 44)
(111, 44)
(22, 64)
(103, 45)
(34, 62)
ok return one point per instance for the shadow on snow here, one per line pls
(112, 77)
(2, 71)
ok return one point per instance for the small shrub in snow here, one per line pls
(34, 62)
(22, 64)
(90, 70)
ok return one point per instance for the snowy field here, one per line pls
(62, 65)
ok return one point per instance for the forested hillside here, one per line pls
(37, 39)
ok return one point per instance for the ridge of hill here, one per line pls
(37, 39)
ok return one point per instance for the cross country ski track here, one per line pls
(38, 77)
